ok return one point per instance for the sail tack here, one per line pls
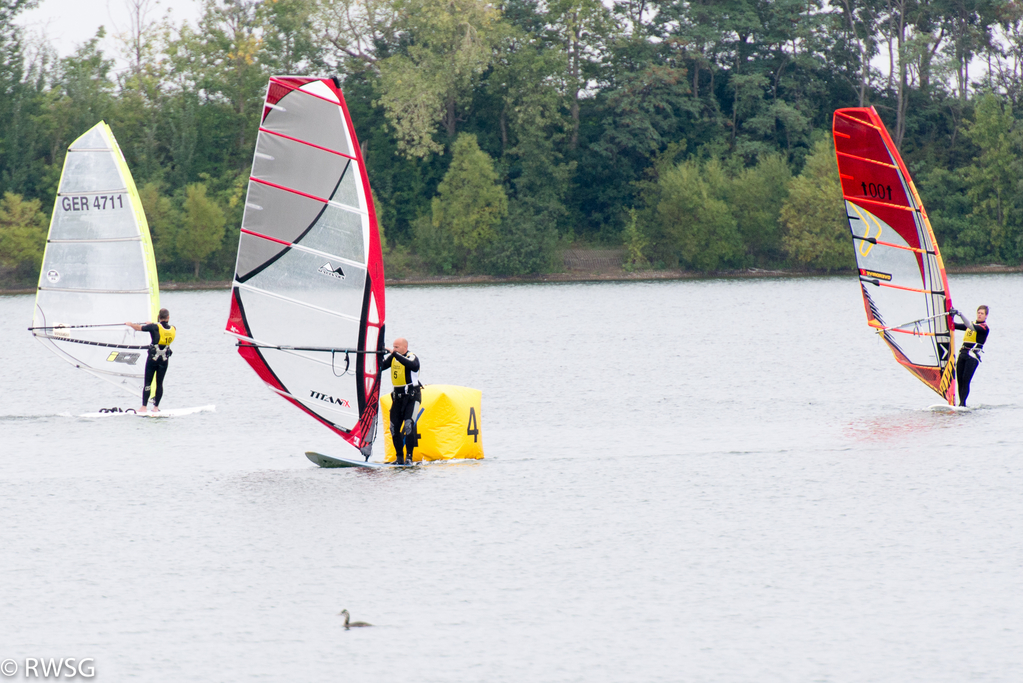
(98, 268)
(902, 276)
(307, 304)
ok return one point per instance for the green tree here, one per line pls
(993, 180)
(202, 226)
(756, 196)
(649, 111)
(636, 243)
(533, 129)
(288, 41)
(163, 219)
(448, 46)
(436, 246)
(22, 236)
(944, 193)
(218, 75)
(137, 112)
(583, 30)
(470, 201)
(691, 225)
(22, 90)
(816, 231)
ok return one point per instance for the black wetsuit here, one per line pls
(156, 363)
(405, 402)
(969, 358)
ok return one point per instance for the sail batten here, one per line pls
(866, 159)
(309, 274)
(297, 302)
(902, 276)
(303, 194)
(307, 143)
(108, 239)
(309, 250)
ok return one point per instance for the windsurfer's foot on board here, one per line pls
(406, 399)
(161, 333)
(969, 352)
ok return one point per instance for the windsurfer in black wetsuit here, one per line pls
(405, 399)
(969, 352)
(162, 334)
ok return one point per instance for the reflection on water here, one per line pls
(684, 481)
(899, 427)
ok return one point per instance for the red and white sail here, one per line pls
(902, 277)
(307, 304)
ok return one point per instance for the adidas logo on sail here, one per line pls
(330, 270)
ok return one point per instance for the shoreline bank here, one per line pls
(578, 276)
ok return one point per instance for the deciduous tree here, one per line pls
(470, 201)
(816, 229)
(202, 226)
(22, 236)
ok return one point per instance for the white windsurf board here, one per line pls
(165, 412)
(946, 408)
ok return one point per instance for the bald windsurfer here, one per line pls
(405, 399)
(161, 333)
(969, 352)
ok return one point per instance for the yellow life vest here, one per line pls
(167, 335)
(970, 337)
(399, 377)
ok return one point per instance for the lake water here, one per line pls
(720, 480)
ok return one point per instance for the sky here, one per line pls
(66, 24)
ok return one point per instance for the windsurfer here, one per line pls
(162, 334)
(969, 352)
(406, 398)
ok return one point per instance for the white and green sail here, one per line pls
(98, 269)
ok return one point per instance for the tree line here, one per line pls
(696, 133)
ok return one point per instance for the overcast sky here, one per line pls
(67, 24)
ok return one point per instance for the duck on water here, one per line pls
(350, 624)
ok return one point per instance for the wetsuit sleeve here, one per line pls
(385, 361)
(411, 364)
(154, 331)
(966, 324)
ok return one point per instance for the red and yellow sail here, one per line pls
(902, 276)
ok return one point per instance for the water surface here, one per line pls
(719, 480)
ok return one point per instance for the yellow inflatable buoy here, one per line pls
(450, 426)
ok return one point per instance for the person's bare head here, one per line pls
(401, 345)
(981, 313)
(164, 315)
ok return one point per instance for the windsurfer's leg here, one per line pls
(964, 371)
(161, 371)
(408, 426)
(960, 373)
(150, 372)
(397, 438)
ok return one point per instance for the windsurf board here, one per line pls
(331, 461)
(168, 412)
(946, 408)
